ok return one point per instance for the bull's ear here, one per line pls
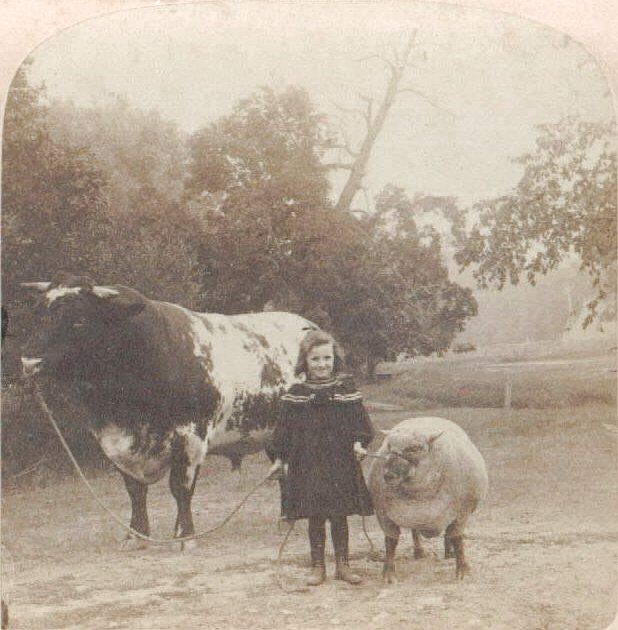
(385, 431)
(129, 308)
(39, 286)
(123, 306)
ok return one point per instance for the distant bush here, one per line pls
(28, 438)
(459, 348)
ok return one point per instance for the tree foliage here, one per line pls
(150, 238)
(245, 224)
(141, 155)
(51, 193)
(412, 306)
(565, 202)
(271, 144)
(262, 165)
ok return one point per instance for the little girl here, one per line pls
(323, 433)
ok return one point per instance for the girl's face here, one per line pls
(320, 362)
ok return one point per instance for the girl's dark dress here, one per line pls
(319, 423)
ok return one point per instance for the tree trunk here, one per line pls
(372, 363)
(374, 126)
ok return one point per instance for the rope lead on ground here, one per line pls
(166, 541)
(157, 541)
(280, 583)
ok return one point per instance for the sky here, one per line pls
(492, 77)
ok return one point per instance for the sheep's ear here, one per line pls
(431, 439)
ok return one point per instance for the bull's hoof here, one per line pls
(131, 543)
(389, 577)
(419, 553)
(448, 553)
(376, 556)
(185, 545)
(461, 569)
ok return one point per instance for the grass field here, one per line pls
(542, 547)
(481, 382)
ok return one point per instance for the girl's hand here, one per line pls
(359, 451)
(276, 470)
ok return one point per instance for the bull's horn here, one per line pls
(104, 292)
(385, 431)
(39, 286)
(433, 438)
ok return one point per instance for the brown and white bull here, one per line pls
(160, 386)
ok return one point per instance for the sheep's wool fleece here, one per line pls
(453, 483)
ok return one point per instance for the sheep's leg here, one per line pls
(449, 551)
(419, 552)
(390, 542)
(461, 566)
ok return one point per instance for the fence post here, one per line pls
(508, 390)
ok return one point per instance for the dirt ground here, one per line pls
(542, 547)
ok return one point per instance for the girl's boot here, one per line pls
(339, 534)
(343, 571)
(317, 540)
(318, 567)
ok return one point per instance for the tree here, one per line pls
(255, 179)
(51, 193)
(141, 155)
(407, 304)
(396, 66)
(270, 143)
(150, 240)
(564, 203)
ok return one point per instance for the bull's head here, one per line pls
(405, 456)
(74, 317)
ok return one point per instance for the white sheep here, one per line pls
(427, 476)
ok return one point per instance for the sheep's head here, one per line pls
(406, 456)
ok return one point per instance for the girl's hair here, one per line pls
(318, 338)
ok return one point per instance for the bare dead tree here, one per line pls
(396, 66)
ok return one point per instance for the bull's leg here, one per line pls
(138, 491)
(419, 552)
(449, 551)
(236, 461)
(183, 476)
(390, 542)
